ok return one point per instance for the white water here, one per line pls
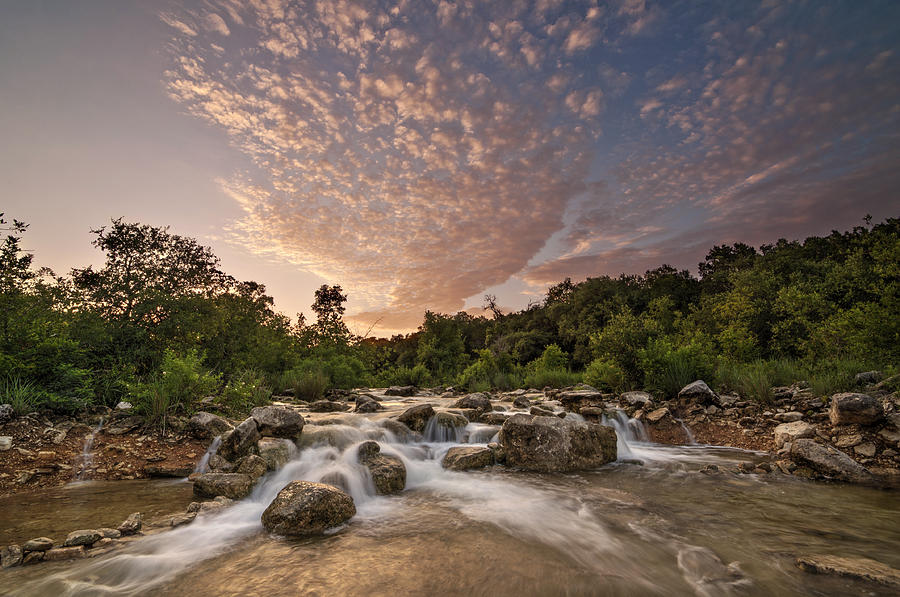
(203, 465)
(87, 456)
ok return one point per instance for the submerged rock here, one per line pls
(849, 408)
(240, 441)
(461, 458)
(132, 524)
(828, 461)
(204, 425)
(416, 417)
(388, 472)
(231, 485)
(699, 392)
(304, 508)
(277, 421)
(550, 444)
(859, 568)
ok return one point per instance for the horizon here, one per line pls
(425, 156)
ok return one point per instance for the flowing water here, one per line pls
(656, 528)
(84, 464)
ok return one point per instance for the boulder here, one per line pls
(6, 413)
(276, 452)
(82, 537)
(38, 544)
(277, 421)
(304, 508)
(591, 411)
(828, 461)
(253, 466)
(850, 408)
(404, 391)
(462, 458)
(494, 418)
(204, 425)
(788, 417)
(132, 524)
(388, 472)
(110, 533)
(366, 404)
(240, 441)
(231, 485)
(658, 415)
(859, 568)
(788, 432)
(522, 402)
(416, 417)
(10, 556)
(327, 406)
(575, 399)
(698, 392)
(868, 378)
(636, 399)
(478, 401)
(541, 412)
(550, 444)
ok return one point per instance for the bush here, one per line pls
(311, 386)
(835, 375)
(553, 378)
(477, 377)
(24, 396)
(181, 380)
(668, 368)
(604, 374)
(403, 376)
(246, 390)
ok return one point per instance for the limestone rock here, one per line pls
(658, 415)
(366, 404)
(788, 432)
(231, 485)
(575, 399)
(82, 537)
(168, 470)
(5, 443)
(277, 421)
(132, 524)
(240, 440)
(522, 402)
(849, 408)
(698, 392)
(828, 461)
(276, 452)
(253, 466)
(416, 417)
(859, 568)
(64, 553)
(388, 472)
(304, 508)
(868, 377)
(10, 556)
(461, 458)
(38, 544)
(478, 401)
(404, 391)
(6, 413)
(552, 444)
(637, 399)
(327, 406)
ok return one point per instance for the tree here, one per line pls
(15, 274)
(329, 309)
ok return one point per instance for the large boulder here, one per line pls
(276, 452)
(788, 432)
(277, 421)
(304, 508)
(828, 461)
(230, 485)
(416, 417)
(240, 441)
(461, 458)
(850, 408)
(366, 404)
(478, 401)
(204, 425)
(575, 400)
(404, 391)
(388, 472)
(552, 444)
(699, 392)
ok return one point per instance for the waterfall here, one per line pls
(628, 432)
(86, 461)
(437, 432)
(687, 432)
(203, 465)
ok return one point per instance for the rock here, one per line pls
(64, 553)
(591, 411)
(550, 444)
(788, 432)
(253, 466)
(204, 425)
(449, 420)
(276, 452)
(890, 436)
(239, 441)
(388, 472)
(828, 461)
(498, 451)
(82, 537)
(462, 458)
(699, 392)
(658, 415)
(859, 568)
(5, 443)
(6, 413)
(38, 544)
(848, 440)
(182, 519)
(110, 533)
(850, 408)
(522, 402)
(868, 378)
(277, 421)
(304, 508)
(366, 404)
(494, 418)
(479, 402)
(132, 524)
(169, 470)
(541, 412)
(123, 426)
(575, 399)
(404, 391)
(866, 450)
(34, 557)
(789, 417)
(416, 417)
(637, 399)
(10, 556)
(123, 405)
(231, 485)
(327, 406)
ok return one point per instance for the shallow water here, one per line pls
(658, 529)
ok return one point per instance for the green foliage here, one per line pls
(180, 381)
(311, 385)
(605, 375)
(478, 376)
(552, 378)
(24, 396)
(441, 347)
(246, 390)
(670, 365)
(403, 376)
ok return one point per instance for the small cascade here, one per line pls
(203, 465)
(480, 433)
(628, 432)
(436, 432)
(86, 461)
(687, 432)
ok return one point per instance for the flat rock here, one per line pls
(859, 568)
(327, 406)
(38, 544)
(304, 508)
(64, 553)
(169, 470)
(828, 461)
(788, 432)
(462, 458)
(850, 408)
(657, 415)
(277, 421)
(230, 485)
(404, 391)
(550, 444)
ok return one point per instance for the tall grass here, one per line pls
(311, 386)
(22, 395)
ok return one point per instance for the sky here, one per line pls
(422, 154)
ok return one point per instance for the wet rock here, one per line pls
(388, 472)
(204, 425)
(479, 402)
(637, 399)
(231, 485)
(450, 420)
(327, 406)
(522, 402)
(132, 524)
(5, 443)
(850, 408)
(276, 452)
(38, 544)
(277, 421)
(253, 466)
(82, 537)
(64, 553)
(462, 458)
(304, 508)
(575, 399)
(240, 441)
(788, 432)
(658, 415)
(218, 464)
(110, 533)
(541, 412)
(182, 519)
(498, 452)
(401, 431)
(552, 444)
(859, 568)
(416, 417)
(168, 470)
(10, 556)
(404, 391)
(591, 411)
(828, 461)
(698, 392)
(494, 418)
(868, 378)
(6, 413)
(366, 404)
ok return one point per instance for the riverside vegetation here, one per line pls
(155, 360)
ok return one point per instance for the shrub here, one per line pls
(669, 367)
(311, 386)
(246, 390)
(834, 375)
(180, 381)
(604, 374)
(403, 376)
(477, 376)
(23, 395)
(554, 378)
